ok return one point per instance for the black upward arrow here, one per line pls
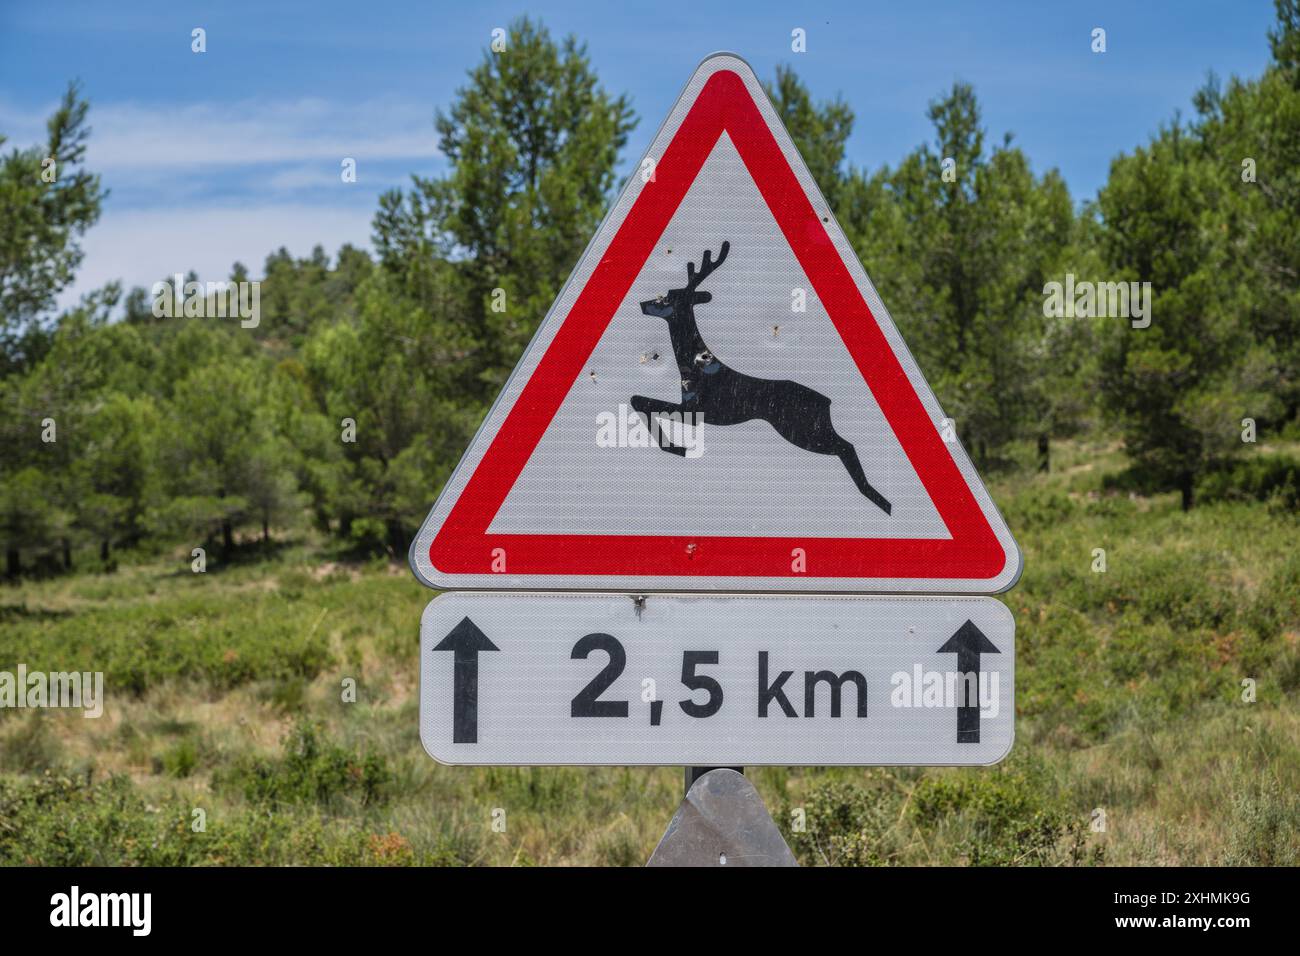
(968, 644)
(466, 640)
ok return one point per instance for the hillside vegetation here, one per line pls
(1144, 456)
(225, 693)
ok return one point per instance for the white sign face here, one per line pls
(715, 680)
(718, 400)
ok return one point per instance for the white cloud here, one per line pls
(200, 186)
(141, 247)
(325, 175)
(134, 138)
(165, 163)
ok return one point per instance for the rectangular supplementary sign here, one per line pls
(715, 680)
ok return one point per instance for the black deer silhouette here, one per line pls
(720, 395)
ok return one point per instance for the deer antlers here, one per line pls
(693, 279)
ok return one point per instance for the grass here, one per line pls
(1157, 719)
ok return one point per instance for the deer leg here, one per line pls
(650, 407)
(847, 454)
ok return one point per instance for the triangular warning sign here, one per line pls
(718, 400)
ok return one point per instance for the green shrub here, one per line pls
(311, 769)
(539, 789)
(1179, 589)
(1273, 478)
(63, 821)
(288, 696)
(1035, 507)
(71, 821)
(621, 846)
(181, 759)
(293, 583)
(29, 747)
(1264, 828)
(1003, 816)
(1276, 606)
(845, 824)
(215, 639)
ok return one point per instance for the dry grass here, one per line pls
(1128, 694)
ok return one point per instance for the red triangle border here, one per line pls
(463, 544)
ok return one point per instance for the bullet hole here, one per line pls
(670, 252)
(826, 219)
(593, 375)
(638, 605)
(649, 357)
(776, 329)
(690, 550)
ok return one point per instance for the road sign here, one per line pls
(715, 680)
(718, 400)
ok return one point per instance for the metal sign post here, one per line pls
(722, 822)
(695, 773)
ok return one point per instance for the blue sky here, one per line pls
(231, 153)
